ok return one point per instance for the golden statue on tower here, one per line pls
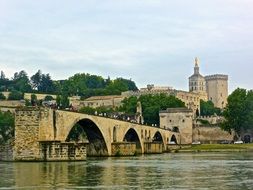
(196, 61)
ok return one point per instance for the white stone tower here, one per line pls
(217, 89)
(197, 82)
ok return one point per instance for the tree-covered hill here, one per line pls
(81, 84)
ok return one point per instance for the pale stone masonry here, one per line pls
(214, 87)
(27, 135)
(178, 120)
(197, 82)
(34, 138)
(217, 89)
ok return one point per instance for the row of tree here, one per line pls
(239, 111)
(6, 127)
(84, 85)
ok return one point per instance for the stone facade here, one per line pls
(211, 135)
(123, 149)
(217, 89)
(197, 82)
(11, 103)
(212, 87)
(98, 101)
(153, 148)
(34, 138)
(178, 120)
(58, 151)
(27, 135)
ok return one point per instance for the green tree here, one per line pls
(58, 100)
(36, 80)
(33, 99)
(208, 109)
(116, 87)
(46, 84)
(21, 82)
(15, 95)
(48, 98)
(42, 82)
(62, 101)
(6, 127)
(4, 82)
(2, 97)
(151, 105)
(87, 110)
(65, 101)
(129, 105)
(239, 111)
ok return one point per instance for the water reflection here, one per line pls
(167, 171)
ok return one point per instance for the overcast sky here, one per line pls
(149, 41)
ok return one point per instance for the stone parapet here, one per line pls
(216, 76)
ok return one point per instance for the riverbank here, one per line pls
(219, 148)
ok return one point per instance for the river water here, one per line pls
(166, 171)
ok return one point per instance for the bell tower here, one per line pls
(197, 82)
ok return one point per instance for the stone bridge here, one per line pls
(106, 136)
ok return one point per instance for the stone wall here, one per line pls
(11, 103)
(213, 120)
(123, 149)
(27, 96)
(57, 151)
(210, 135)
(217, 89)
(153, 148)
(27, 135)
(178, 120)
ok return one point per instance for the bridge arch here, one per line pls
(159, 138)
(173, 139)
(97, 142)
(132, 136)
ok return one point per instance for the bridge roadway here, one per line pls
(102, 132)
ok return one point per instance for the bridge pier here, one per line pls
(124, 149)
(58, 151)
(153, 148)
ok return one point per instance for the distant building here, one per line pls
(99, 101)
(197, 82)
(191, 99)
(27, 96)
(178, 120)
(215, 87)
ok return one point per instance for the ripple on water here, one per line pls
(166, 171)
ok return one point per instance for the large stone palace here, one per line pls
(211, 87)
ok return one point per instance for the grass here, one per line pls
(219, 147)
